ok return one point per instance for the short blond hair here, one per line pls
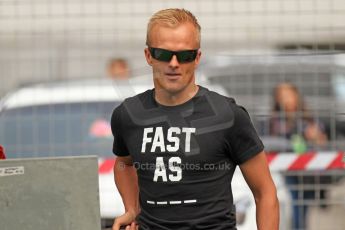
(172, 18)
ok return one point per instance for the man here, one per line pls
(179, 143)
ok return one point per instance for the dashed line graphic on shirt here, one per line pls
(189, 201)
(162, 202)
(173, 202)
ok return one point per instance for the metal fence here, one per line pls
(317, 198)
(44, 40)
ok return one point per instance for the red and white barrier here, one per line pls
(2, 153)
(278, 161)
(307, 161)
(105, 166)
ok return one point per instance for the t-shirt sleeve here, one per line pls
(119, 145)
(243, 140)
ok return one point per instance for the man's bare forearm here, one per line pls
(126, 181)
(264, 191)
(267, 212)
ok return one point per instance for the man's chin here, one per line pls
(171, 88)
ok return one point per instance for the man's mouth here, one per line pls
(173, 75)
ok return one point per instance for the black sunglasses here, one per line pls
(182, 56)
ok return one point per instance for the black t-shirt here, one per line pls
(185, 157)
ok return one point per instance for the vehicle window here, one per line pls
(338, 84)
(311, 84)
(58, 130)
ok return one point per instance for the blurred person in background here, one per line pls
(180, 123)
(292, 120)
(118, 68)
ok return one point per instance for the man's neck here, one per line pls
(166, 98)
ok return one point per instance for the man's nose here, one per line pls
(174, 62)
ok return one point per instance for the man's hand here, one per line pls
(128, 220)
(126, 180)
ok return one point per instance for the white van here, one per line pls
(72, 118)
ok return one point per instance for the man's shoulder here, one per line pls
(237, 109)
(135, 108)
(218, 96)
(141, 97)
(133, 101)
(136, 101)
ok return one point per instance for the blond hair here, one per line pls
(172, 18)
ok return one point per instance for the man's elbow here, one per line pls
(268, 196)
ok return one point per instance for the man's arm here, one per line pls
(126, 181)
(258, 177)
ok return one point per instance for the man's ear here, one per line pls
(197, 59)
(148, 56)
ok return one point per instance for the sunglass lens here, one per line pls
(186, 56)
(162, 55)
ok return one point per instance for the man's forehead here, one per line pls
(184, 35)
